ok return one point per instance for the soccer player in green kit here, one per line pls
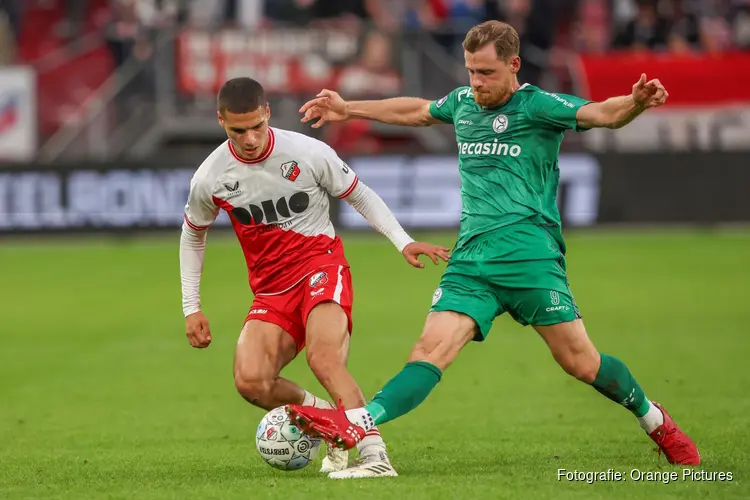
(510, 254)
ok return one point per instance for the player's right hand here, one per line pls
(328, 106)
(197, 330)
(413, 250)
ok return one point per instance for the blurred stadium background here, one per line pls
(106, 109)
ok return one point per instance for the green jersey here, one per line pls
(507, 157)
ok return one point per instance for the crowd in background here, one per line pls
(548, 29)
(583, 25)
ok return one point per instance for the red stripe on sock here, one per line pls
(372, 432)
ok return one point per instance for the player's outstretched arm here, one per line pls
(329, 106)
(372, 207)
(617, 112)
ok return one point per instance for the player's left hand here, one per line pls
(415, 249)
(649, 94)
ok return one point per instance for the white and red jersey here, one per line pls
(278, 205)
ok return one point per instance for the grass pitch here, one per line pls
(102, 397)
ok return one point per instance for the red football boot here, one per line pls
(330, 425)
(676, 445)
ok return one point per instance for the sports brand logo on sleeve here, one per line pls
(234, 189)
(440, 102)
(290, 170)
(436, 296)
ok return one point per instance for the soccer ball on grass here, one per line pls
(282, 445)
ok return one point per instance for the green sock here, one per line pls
(615, 381)
(404, 392)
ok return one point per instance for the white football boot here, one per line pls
(335, 459)
(373, 465)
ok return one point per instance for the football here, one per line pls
(282, 445)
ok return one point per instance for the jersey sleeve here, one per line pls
(200, 210)
(555, 110)
(444, 108)
(333, 174)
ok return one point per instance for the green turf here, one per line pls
(102, 397)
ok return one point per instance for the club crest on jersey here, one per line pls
(500, 124)
(290, 170)
(318, 279)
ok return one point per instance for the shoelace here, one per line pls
(661, 437)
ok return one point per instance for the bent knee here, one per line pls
(443, 337)
(254, 387)
(324, 361)
(583, 366)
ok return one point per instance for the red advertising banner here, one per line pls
(708, 107)
(286, 61)
(710, 79)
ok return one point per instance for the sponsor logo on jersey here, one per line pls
(500, 124)
(234, 189)
(270, 211)
(290, 170)
(488, 148)
(318, 279)
(465, 93)
(344, 167)
(559, 99)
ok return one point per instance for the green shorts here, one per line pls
(519, 269)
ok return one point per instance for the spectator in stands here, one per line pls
(683, 32)
(123, 30)
(372, 76)
(740, 16)
(716, 34)
(160, 14)
(10, 27)
(12, 9)
(72, 25)
(394, 15)
(647, 31)
(591, 31)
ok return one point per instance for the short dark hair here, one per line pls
(501, 35)
(240, 95)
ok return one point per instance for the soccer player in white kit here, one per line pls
(274, 185)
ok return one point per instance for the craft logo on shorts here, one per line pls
(290, 170)
(258, 311)
(318, 279)
(436, 296)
